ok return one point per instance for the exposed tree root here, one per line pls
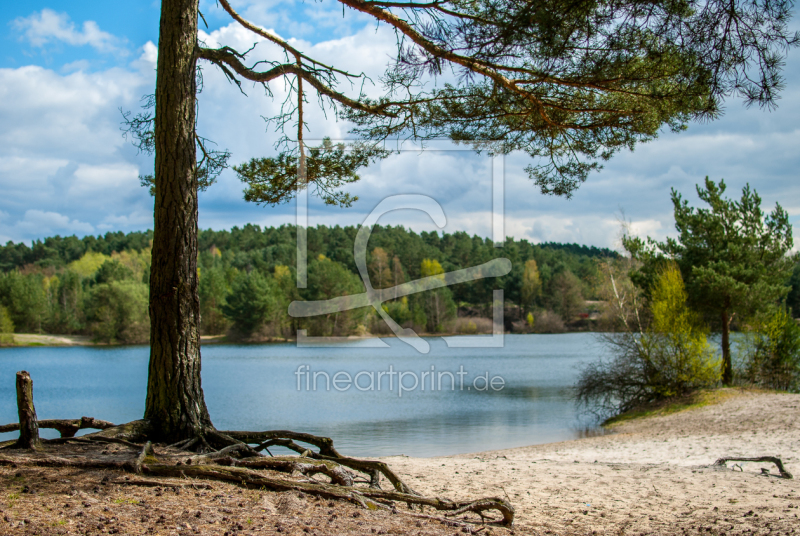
(327, 452)
(770, 459)
(362, 496)
(234, 456)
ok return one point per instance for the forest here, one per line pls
(98, 285)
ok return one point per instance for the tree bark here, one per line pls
(727, 365)
(175, 405)
(28, 424)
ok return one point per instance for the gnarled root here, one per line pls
(234, 456)
(362, 496)
(285, 438)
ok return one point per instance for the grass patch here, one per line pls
(125, 501)
(698, 399)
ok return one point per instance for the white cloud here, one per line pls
(52, 223)
(48, 26)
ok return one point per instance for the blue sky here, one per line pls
(67, 68)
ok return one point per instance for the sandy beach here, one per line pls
(651, 476)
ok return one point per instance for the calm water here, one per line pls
(256, 388)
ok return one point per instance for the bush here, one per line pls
(671, 357)
(548, 322)
(472, 325)
(118, 312)
(772, 353)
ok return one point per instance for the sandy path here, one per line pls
(652, 476)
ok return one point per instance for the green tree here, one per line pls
(732, 257)
(117, 312)
(250, 303)
(564, 295)
(213, 289)
(379, 272)
(66, 303)
(437, 304)
(531, 284)
(568, 83)
(25, 297)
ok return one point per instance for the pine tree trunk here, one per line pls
(175, 405)
(727, 368)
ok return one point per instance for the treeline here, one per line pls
(247, 277)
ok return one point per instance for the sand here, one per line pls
(652, 475)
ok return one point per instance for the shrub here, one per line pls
(671, 357)
(548, 322)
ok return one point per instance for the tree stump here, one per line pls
(28, 424)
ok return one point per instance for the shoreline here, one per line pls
(22, 340)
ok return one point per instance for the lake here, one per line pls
(452, 400)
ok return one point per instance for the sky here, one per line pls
(68, 68)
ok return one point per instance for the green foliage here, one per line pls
(379, 271)
(670, 357)
(328, 279)
(772, 352)
(531, 284)
(118, 312)
(275, 180)
(214, 288)
(6, 327)
(399, 311)
(676, 348)
(564, 295)
(112, 270)
(26, 300)
(437, 304)
(54, 294)
(66, 304)
(250, 303)
(732, 256)
(571, 83)
(88, 264)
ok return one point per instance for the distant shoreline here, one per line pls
(24, 340)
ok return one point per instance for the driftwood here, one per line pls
(770, 459)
